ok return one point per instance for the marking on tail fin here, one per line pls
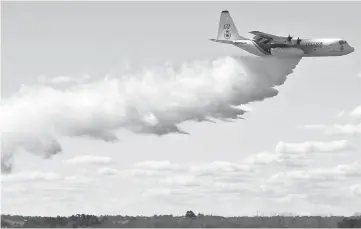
(227, 34)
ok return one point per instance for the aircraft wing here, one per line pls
(267, 35)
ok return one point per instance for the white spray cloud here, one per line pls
(152, 101)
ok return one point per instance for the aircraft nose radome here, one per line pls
(352, 49)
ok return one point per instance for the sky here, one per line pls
(296, 152)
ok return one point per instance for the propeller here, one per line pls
(298, 40)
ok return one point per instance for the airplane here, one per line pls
(264, 44)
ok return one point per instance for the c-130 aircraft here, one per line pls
(264, 44)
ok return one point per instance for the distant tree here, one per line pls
(190, 214)
(5, 223)
(353, 222)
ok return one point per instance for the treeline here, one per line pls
(190, 220)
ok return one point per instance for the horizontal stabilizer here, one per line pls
(224, 41)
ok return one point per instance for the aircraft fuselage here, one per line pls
(310, 47)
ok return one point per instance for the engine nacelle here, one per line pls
(286, 52)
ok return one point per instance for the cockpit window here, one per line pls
(342, 42)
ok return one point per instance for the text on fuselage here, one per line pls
(317, 44)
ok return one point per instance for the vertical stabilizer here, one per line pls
(227, 29)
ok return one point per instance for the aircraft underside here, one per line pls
(279, 50)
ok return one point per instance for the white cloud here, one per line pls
(356, 190)
(30, 176)
(340, 129)
(157, 165)
(297, 154)
(313, 147)
(347, 129)
(337, 173)
(41, 144)
(167, 192)
(356, 113)
(247, 108)
(336, 129)
(341, 114)
(180, 180)
(145, 173)
(58, 80)
(193, 174)
(79, 179)
(272, 158)
(312, 126)
(151, 169)
(232, 188)
(108, 171)
(88, 159)
(221, 169)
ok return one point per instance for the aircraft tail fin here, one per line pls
(227, 30)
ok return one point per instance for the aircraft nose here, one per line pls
(352, 49)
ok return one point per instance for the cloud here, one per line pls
(246, 108)
(108, 171)
(232, 188)
(313, 126)
(157, 165)
(180, 180)
(194, 174)
(152, 101)
(215, 169)
(164, 192)
(223, 171)
(336, 129)
(297, 154)
(30, 177)
(154, 169)
(61, 80)
(325, 186)
(356, 190)
(337, 173)
(88, 159)
(347, 129)
(272, 158)
(40, 144)
(351, 128)
(341, 114)
(356, 113)
(313, 147)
